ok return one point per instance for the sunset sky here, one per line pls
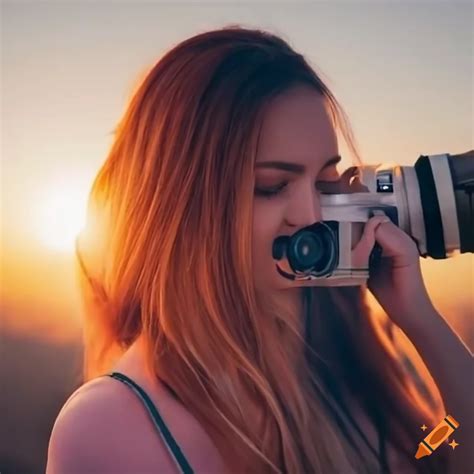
(403, 71)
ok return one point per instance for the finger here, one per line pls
(361, 251)
(368, 234)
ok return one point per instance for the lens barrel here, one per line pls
(312, 249)
(461, 178)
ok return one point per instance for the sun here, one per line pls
(61, 215)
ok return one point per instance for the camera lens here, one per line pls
(446, 184)
(312, 250)
(307, 250)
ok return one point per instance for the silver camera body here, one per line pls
(430, 201)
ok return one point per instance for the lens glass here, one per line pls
(313, 250)
(309, 249)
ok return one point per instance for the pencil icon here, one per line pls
(437, 435)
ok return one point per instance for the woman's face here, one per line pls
(297, 130)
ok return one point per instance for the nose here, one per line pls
(304, 209)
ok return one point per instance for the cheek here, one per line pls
(266, 222)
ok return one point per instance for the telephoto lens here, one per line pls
(439, 180)
(462, 174)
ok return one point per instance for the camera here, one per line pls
(431, 201)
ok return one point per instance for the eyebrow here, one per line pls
(294, 167)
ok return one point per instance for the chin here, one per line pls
(285, 283)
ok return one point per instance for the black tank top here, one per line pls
(173, 448)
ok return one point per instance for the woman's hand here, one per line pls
(398, 286)
(396, 282)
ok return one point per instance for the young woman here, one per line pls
(199, 357)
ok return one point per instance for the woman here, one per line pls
(186, 316)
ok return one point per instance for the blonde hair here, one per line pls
(169, 223)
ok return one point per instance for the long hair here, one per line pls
(166, 254)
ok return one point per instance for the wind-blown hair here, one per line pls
(166, 254)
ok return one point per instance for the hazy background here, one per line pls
(402, 70)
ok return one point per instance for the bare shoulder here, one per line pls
(94, 432)
(103, 427)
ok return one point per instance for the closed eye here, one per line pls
(270, 191)
(326, 187)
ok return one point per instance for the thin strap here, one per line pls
(160, 425)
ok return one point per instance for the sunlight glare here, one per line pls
(61, 216)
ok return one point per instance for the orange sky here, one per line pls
(403, 73)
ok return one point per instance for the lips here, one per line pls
(283, 273)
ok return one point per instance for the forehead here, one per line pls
(297, 127)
